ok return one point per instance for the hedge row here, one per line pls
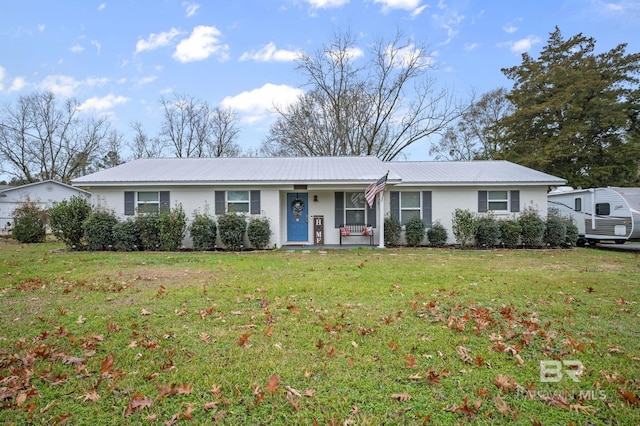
(82, 227)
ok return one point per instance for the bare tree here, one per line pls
(143, 146)
(476, 134)
(379, 107)
(40, 139)
(223, 135)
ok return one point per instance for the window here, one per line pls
(409, 206)
(355, 208)
(498, 200)
(603, 209)
(238, 201)
(148, 202)
(577, 204)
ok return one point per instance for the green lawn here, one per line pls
(362, 336)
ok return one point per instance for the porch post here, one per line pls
(381, 220)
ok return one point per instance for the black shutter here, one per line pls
(219, 201)
(482, 201)
(426, 208)
(515, 201)
(339, 209)
(129, 203)
(165, 201)
(395, 204)
(371, 214)
(255, 202)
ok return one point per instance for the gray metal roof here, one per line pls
(305, 170)
(469, 172)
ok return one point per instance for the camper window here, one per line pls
(603, 209)
(578, 204)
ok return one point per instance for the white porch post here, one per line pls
(381, 220)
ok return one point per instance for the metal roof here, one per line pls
(303, 170)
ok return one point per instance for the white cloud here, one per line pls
(146, 80)
(191, 8)
(76, 48)
(409, 5)
(257, 105)
(404, 56)
(509, 28)
(17, 84)
(2, 75)
(418, 10)
(102, 104)
(61, 85)
(269, 53)
(523, 45)
(41, 27)
(202, 43)
(97, 45)
(155, 41)
(326, 4)
(471, 46)
(102, 6)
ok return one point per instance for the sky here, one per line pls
(117, 58)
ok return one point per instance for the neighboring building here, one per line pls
(295, 192)
(44, 193)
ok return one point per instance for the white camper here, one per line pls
(611, 213)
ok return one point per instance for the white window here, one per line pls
(498, 200)
(355, 208)
(409, 206)
(238, 201)
(148, 202)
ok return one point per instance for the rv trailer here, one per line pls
(611, 213)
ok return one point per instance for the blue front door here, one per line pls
(297, 221)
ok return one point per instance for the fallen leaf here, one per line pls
(464, 355)
(106, 365)
(273, 383)
(137, 402)
(144, 312)
(502, 406)
(92, 396)
(401, 396)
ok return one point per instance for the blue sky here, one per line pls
(117, 58)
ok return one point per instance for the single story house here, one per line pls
(43, 193)
(307, 199)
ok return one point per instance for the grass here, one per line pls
(361, 336)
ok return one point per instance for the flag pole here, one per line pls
(381, 220)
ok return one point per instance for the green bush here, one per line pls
(487, 232)
(231, 227)
(148, 231)
(98, 230)
(392, 232)
(414, 232)
(259, 232)
(510, 233)
(29, 223)
(126, 236)
(572, 234)
(555, 233)
(437, 235)
(463, 225)
(66, 219)
(203, 231)
(532, 228)
(172, 226)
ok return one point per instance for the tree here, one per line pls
(576, 113)
(192, 129)
(475, 135)
(377, 108)
(41, 140)
(142, 146)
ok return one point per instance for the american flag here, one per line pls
(374, 188)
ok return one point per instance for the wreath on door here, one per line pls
(297, 207)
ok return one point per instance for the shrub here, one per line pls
(414, 232)
(555, 233)
(231, 227)
(437, 235)
(572, 234)
(98, 230)
(392, 231)
(510, 233)
(487, 232)
(66, 220)
(203, 231)
(259, 232)
(29, 223)
(172, 226)
(463, 226)
(126, 236)
(147, 225)
(532, 228)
